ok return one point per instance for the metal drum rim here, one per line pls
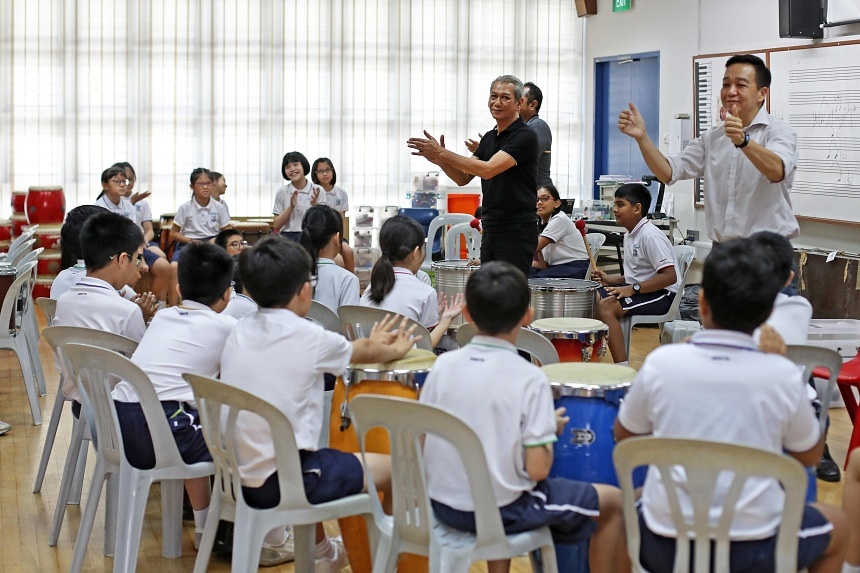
(568, 335)
(584, 390)
(403, 377)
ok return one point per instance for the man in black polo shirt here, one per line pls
(506, 162)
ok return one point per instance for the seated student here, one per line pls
(186, 338)
(394, 285)
(113, 252)
(219, 189)
(279, 356)
(295, 198)
(851, 507)
(72, 258)
(650, 278)
(240, 305)
(720, 387)
(232, 241)
(322, 229)
(508, 403)
(324, 174)
(561, 247)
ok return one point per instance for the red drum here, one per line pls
(18, 201)
(7, 277)
(5, 230)
(47, 236)
(19, 221)
(42, 288)
(575, 339)
(45, 205)
(49, 264)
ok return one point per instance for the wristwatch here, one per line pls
(746, 141)
(636, 288)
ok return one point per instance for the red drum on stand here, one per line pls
(19, 221)
(19, 199)
(575, 339)
(5, 234)
(47, 236)
(45, 205)
(49, 264)
(42, 288)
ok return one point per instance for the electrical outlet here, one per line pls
(692, 235)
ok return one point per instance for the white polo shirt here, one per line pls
(143, 213)
(646, 251)
(199, 222)
(303, 203)
(337, 199)
(93, 303)
(410, 297)
(226, 207)
(280, 357)
(506, 418)
(67, 278)
(240, 306)
(187, 338)
(567, 244)
(336, 286)
(720, 387)
(124, 208)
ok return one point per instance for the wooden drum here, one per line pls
(402, 378)
(45, 205)
(253, 229)
(164, 224)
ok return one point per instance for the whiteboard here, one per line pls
(817, 90)
(842, 11)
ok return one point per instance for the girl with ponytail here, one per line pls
(322, 229)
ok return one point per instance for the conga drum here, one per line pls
(5, 234)
(45, 205)
(19, 199)
(253, 229)
(47, 236)
(554, 297)
(575, 339)
(451, 277)
(402, 378)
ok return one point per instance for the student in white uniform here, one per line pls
(394, 286)
(650, 278)
(186, 338)
(561, 248)
(721, 387)
(507, 401)
(322, 230)
(295, 198)
(281, 357)
(72, 258)
(324, 174)
(241, 305)
(219, 189)
(231, 241)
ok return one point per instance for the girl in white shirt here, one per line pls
(322, 229)
(295, 198)
(561, 248)
(324, 175)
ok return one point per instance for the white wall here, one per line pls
(679, 30)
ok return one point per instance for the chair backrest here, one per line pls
(468, 234)
(326, 317)
(437, 224)
(29, 257)
(219, 404)
(527, 340)
(25, 236)
(407, 421)
(9, 310)
(704, 463)
(49, 307)
(19, 253)
(811, 357)
(358, 320)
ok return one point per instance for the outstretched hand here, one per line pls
(427, 146)
(631, 123)
(472, 144)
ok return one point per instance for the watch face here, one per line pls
(636, 287)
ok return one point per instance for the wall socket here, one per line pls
(692, 235)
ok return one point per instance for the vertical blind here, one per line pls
(170, 85)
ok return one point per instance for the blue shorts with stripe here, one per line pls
(657, 553)
(568, 507)
(657, 302)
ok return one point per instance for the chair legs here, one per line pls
(171, 517)
(78, 430)
(31, 335)
(56, 413)
(134, 487)
(209, 532)
(89, 516)
(304, 547)
(247, 541)
(22, 351)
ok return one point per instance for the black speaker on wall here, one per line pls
(800, 19)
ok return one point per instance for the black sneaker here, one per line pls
(828, 469)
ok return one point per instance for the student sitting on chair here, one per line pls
(650, 278)
(507, 401)
(231, 241)
(561, 247)
(185, 338)
(241, 305)
(322, 232)
(281, 357)
(721, 387)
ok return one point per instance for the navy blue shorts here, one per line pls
(292, 235)
(644, 303)
(328, 474)
(571, 270)
(149, 257)
(568, 507)
(657, 553)
(137, 441)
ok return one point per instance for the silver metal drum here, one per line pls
(563, 297)
(451, 277)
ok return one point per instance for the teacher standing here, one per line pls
(506, 162)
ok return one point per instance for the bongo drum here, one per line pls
(48, 264)
(591, 393)
(19, 199)
(45, 205)
(47, 236)
(5, 234)
(253, 229)
(551, 297)
(19, 221)
(451, 277)
(402, 378)
(575, 339)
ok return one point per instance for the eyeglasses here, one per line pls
(203, 184)
(237, 244)
(138, 258)
(545, 199)
(119, 182)
(313, 280)
(323, 171)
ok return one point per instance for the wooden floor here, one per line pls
(25, 517)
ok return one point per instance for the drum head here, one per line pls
(587, 378)
(567, 324)
(454, 265)
(416, 360)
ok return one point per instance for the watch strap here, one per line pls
(746, 141)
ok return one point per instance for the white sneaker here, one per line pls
(4, 427)
(336, 561)
(271, 555)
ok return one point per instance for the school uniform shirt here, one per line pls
(567, 243)
(124, 208)
(424, 277)
(336, 286)
(67, 278)
(646, 251)
(280, 357)
(337, 199)
(303, 203)
(93, 303)
(240, 306)
(143, 213)
(720, 387)
(187, 338)
(226, 207)
(410, 297)
(507, 418)
(198, 222)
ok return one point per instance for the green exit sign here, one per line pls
(621, 5)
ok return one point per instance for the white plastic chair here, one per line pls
(412, 528)
(684, 255)
(440, 222)
(14, 256)
(49, 307)
(465, 232)
(98, 370)
(358, 320)
(29, 256)
(219, 404)
(15, 339)
(528, 340)
(27, 317)
(811, 357)
(16, 243)
(703, 462)
(324, 316)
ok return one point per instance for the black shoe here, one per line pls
(828, 470)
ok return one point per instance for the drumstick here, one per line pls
(580, 224)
